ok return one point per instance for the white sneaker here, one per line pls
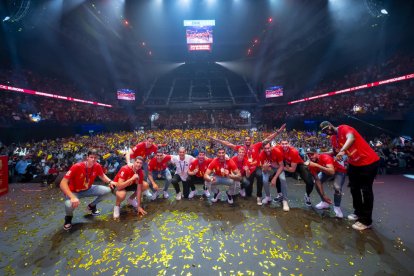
(147, 193)
(360, 226)
(285, 206)
(116, 212)
(178, 196)
(207, 193)
(322, 205)
(338, 212)
(307, 201)
(154, 195)
(166, 195)
(266, 200)
(242, 192)
(259, 201)
(352, 217)
(192, 194)
(133, 202)
(229, 198)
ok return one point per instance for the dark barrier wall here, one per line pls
(28, 131)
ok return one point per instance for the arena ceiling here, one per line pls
(120, 42)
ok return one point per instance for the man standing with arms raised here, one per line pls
(363, 167)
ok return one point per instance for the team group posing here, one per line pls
(261, 161)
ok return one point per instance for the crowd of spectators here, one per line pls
(395, 66)
(42, 161)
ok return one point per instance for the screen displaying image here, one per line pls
(126, 94)
(274, 92)
(199, 35)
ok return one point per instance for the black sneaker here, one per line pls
(307, 200)
(215, 197)
(229, 198)
(278, 198)
(94, 211)
(68, 223)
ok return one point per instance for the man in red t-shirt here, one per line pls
(196, 172)
(146, 150)
(363, 167)
(323, 168)
(130, 178)
(271, 162)
(158, 169)
(78, 183)
(222, 171)
(294, 164)
(245, 168)
(252, 153)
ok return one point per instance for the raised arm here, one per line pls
(273, 135)
(223, 142)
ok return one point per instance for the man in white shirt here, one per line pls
(182, 162)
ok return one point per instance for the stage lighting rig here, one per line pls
(18, 10)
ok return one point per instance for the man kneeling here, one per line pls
(130, 178)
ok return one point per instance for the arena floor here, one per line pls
(193, 237)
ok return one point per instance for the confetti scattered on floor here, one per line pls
(195, 237)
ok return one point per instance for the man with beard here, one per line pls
(130, 178)
(252, 153)
(363, 167)
(222, 171)
(196, 174)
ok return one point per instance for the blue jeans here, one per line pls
(339, 181)
(224, 181)
(282, 179)
(101, 193)
(165, 174)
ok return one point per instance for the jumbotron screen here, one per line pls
(274, 92)
(126, 94)
(199, 34)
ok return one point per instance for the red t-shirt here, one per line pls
(359, 153)
(141, 150)
(252, 152)
(326, 159)
(217, 167)
(202, 167)
(127, 172)
(154, 165)
(275, 156)
(81, 178)
(242, 163)
(291, 155)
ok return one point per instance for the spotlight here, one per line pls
(384, 11)
(6, 18)
(269, 20)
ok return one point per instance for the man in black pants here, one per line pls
(363, 167)
(294, 163)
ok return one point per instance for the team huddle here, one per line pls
(261, 163)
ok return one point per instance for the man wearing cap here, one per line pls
(324, 167)
(363, 166)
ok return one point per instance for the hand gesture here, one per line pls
(74, 202)
(141, 211)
